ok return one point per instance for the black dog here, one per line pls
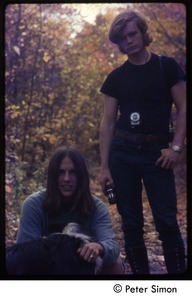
(52, 255)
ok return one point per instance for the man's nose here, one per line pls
(128, 40)
(67, 176)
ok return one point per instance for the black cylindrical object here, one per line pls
(109, 190)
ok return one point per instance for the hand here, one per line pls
(105, 176)
(167, 159)
(90, 251)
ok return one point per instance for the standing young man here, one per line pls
(135, 147)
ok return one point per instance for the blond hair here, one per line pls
(119, 23)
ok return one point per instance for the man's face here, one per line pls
(132, 41)
(67, 180)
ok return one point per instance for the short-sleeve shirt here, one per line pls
(145, 89)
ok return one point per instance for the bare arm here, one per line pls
(106, 134)
(169, 157)
(179, 97)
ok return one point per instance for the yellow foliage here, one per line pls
(46, 58)
(49, 138)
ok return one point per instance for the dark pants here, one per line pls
(133, 165)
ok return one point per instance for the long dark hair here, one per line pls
(84, 202)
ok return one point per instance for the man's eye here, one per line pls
(73, 172)
(61, 172)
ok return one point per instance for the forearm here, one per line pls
(102, 231)
(111, 251)
(105, 139)
(179, 97)
(107, 128)
(180, 129)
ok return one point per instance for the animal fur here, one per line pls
(52, 255)
(74, 230)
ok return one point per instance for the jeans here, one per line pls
(132, 165)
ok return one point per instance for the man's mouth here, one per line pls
(131, 48)
(67, 187)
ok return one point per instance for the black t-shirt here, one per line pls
(144, 89)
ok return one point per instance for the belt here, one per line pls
(141, 138)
